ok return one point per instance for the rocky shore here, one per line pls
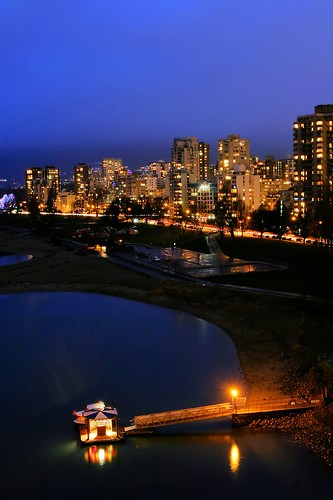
(313, 428)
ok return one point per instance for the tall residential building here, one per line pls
(158, 168)
(109, 167)
(206, 197)
(232, 151)
(177, 187)
(248, 188)
(82, 174)
(313, 154)
(52, 178)
(205, 172)
(240, 185)
(39, 183)
(274, 190)
(136, 186)
(185, 153)
(33, 181)
(65, 202)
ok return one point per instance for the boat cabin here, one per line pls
(98, 423)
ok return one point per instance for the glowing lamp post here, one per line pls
(234, 396)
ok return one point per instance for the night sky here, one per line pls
(87, 79)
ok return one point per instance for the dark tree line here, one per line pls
(128, 209)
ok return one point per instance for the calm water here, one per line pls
(59, 351)
(8, 260)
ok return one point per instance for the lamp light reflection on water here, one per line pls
(234, 458)
(100, 454)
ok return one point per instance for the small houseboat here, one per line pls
(98, 423)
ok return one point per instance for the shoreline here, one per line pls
(251, 321)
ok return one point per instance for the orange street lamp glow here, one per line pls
(234, 393)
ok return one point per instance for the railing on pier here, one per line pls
(150, 421)
(182, 416)
(274, 405)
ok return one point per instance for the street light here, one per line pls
(320, 222)
(234, 393)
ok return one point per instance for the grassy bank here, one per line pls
(169, 236)
(309, 267)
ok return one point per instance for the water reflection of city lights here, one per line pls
(100, 454)
(234, 458)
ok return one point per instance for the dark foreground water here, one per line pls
(59, 351)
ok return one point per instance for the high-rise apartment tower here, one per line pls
(313, 154)
(33, 180)
(185, 153)
(232, 151)
(205, 172)
(82, 175)
(52, 178)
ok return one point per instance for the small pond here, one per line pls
(8, 260)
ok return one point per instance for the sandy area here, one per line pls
(258, 326)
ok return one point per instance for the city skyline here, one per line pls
(85, 81)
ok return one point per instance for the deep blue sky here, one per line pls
(86, 79)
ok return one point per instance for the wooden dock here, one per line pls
(221, 410)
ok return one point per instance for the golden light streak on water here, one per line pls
(234, 458)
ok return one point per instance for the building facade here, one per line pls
(247, 188)
(313, 155)
(109, 168)
(206, 198)
(205, 171)
(185, 153)
(43, 185)
(82, 177)
(52, 178)
(232, 151)
(177, 191)
(33, 181)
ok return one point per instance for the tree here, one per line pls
(33, 208)
(323, 374)
(261, 220)
(158, 208)
(186, 217)
(227, 213)
(113, 210)
(130, 209)
(323, 215)
(97, 198)
(303, 225)
(240, 211)
(147, 210)
(51, 198)
(279, 221)
(7, 203)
